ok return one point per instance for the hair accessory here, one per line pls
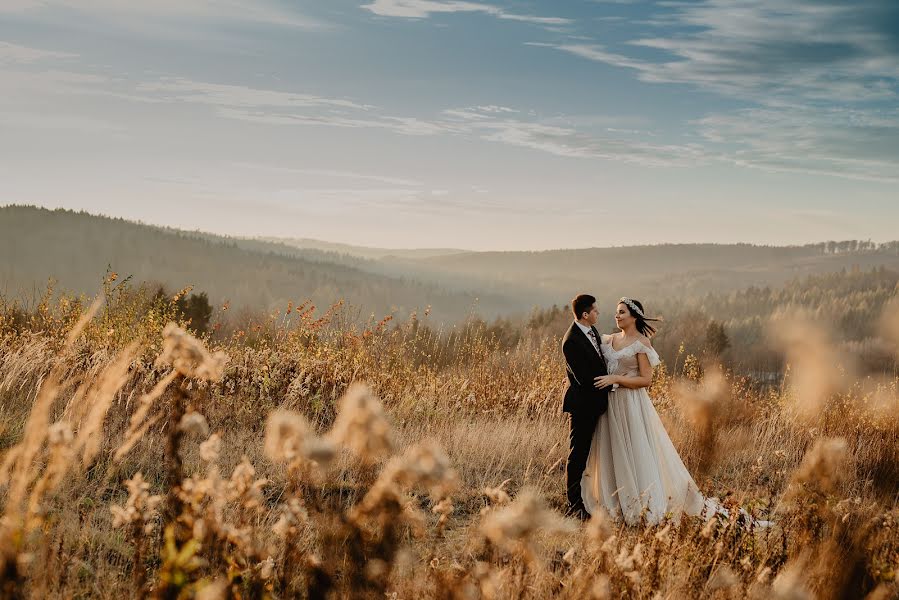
(633, 306)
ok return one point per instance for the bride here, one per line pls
(633, 469)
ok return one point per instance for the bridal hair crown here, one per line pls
(632, 306)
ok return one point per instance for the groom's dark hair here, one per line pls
(582, 303)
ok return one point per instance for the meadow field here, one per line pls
(308, 456)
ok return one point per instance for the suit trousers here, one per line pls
(580, 437)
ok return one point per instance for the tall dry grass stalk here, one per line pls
(817, 370)
(275, 474)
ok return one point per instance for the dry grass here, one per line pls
(139, 464)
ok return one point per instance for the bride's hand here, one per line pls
(605, 381)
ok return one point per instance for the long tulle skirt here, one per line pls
(633, 468)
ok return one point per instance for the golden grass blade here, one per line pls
(90, 433)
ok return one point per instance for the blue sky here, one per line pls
(483, 125)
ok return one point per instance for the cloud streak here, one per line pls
(14, 54)
(422, 9)
(769, 50)
(493, 123)
(818, 74)
(854, 144)
(254, 11)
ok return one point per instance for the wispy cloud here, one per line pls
(770, 49)
(258, 11)
(329, 173)
(14, 54)
(201, 92)
(493, 123)
(570, 142)
(800, 63)
(840, 142)
(421, 9)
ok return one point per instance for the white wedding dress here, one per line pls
(633, 468)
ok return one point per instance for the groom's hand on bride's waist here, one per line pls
(604, 381)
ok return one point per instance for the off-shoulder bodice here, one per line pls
(624, 361)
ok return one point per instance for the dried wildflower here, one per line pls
(140, 506)
(188, 355)
(789, 584)
(710, 525)
(285, 432)
(489, 580)
(601, 589)
(600, 527)
(211, 448)
(444, 508)
(266, 568)
(375, 569)
(664, 534)
(361, 424)
(630, 561)
(244, 487)
(817, 369)
(293, 515)
(60, 434)
(194, 423)
(821, 469)
(424, 465)
(290, 439)
(703, 405)
(497, 495)
(414, 518)
(217, 590)
(427, 465)
(522, 519)
(722, 578)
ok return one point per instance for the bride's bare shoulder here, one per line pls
(645, 341)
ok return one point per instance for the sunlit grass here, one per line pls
(139, 460)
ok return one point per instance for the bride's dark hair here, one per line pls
(642, 321)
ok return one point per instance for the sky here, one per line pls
(495, 125)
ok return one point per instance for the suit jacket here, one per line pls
(583, 365)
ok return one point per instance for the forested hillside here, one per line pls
(76, 249)
(678, 272)
(737, 327)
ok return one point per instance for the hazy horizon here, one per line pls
(424, 248)
(496, 125)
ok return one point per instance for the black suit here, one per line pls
(583, 402)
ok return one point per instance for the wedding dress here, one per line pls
(633, 468)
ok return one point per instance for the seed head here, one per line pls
(521, 520)
(194, 423)
(361, 424)
(188, 355)
(289, 439)
(211, 448)
(821, 469)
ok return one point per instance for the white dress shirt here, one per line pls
(589, 333)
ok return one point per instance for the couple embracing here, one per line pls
(621, 458)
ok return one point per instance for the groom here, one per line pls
(584, 402)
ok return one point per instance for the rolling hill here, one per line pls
(75, 249)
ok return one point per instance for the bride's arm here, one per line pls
(633, 382)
